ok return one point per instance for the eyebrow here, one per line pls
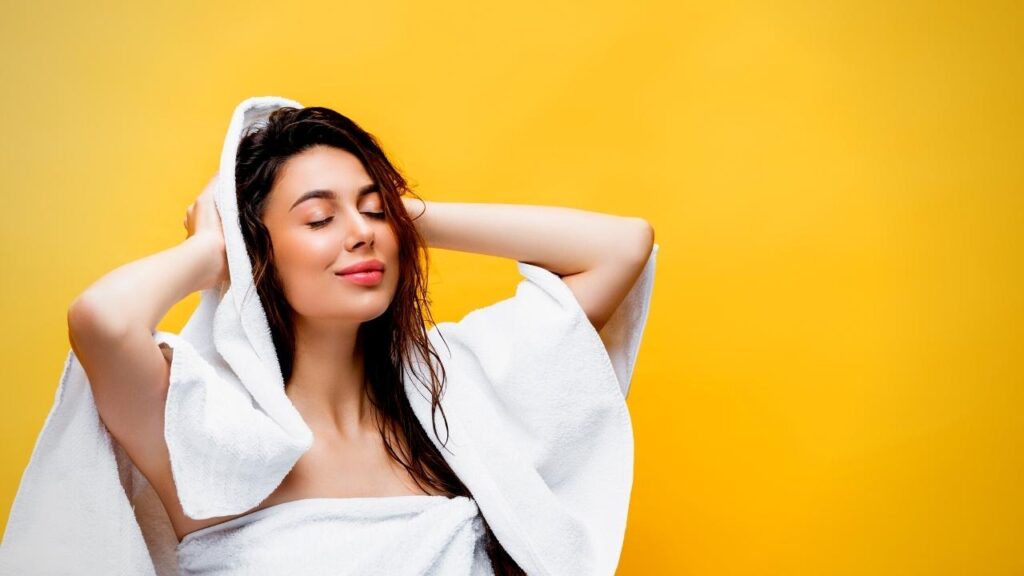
(330, 195)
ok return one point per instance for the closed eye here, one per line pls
(325, 221)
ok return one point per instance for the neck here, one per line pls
(327, 384)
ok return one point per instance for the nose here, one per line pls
(359, 232)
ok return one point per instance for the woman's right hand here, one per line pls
(204, 226)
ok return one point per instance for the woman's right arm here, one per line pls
(136, 296)
(110, 327)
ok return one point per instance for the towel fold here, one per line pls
(538, 428)
(390, 536)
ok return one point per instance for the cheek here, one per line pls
(306, 252)
(393, 255)
(389, 244)
(304, 263)
(388, 247)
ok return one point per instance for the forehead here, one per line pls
(319, 168)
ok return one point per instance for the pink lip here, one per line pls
(368, 278)
(364, 266)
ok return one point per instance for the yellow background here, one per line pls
(830, 381)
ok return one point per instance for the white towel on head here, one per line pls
(538, 428)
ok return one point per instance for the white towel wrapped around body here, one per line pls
(389, 536)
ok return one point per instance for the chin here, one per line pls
(368, 313)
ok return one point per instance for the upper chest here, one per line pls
(332, 468)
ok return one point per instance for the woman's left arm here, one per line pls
(599, 256)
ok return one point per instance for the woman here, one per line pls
(334, 238)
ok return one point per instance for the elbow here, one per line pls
(78, 315)
(641, 241)
(88, 318)
(81, 314)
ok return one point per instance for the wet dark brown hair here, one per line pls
(388, 341)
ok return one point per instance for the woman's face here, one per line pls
(323, 215)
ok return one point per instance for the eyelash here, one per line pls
(321, 223)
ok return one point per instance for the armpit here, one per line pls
(167, 351)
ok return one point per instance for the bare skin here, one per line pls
(599, 256)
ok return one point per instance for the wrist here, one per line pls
(417, 209)
(210, 241)
(210, 255)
